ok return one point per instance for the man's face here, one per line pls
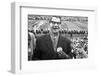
(55, 24)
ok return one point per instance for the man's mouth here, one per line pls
(56, 27)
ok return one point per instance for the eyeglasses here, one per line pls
(55, 22)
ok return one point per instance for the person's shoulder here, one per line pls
(43, 37)
(65, 39)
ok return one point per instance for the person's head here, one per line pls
(55, 24)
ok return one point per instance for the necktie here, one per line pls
(54, 43)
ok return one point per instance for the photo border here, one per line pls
(16, 34)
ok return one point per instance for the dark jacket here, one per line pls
(44, 48)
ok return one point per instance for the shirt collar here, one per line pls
(52, 36)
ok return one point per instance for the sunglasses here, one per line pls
(55, 22)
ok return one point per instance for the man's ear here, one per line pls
(49, 26)
(60, 27)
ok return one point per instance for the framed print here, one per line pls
(51, 39)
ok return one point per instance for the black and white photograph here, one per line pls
(55, 37)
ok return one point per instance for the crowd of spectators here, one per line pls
(80, 47)
(63, 32)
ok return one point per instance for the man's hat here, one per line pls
(56, 19)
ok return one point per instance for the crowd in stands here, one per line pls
(80, 47)
(62, 32)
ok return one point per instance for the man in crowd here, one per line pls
(31, 44)
(53, 45)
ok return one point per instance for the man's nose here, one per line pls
(56, 24)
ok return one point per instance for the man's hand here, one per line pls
(61, 53)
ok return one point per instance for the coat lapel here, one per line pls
(49, 42)
(58, 44)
